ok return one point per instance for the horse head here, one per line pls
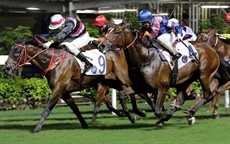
(15, 57)
(209, 36)
(120, 36)
(23, 52)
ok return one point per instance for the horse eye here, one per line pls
(16, 55)
(16, 52)
(17, 49)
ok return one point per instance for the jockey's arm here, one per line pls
(64, 32)
(176, 28)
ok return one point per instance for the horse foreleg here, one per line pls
(210, 105)
(208, 88)
(50, 105)
(215, 113)
(131, 117)
(221, 89)
(148, 100)
(71, 103)
(103, 96)
(176, 107)
(100, 97)
(135, 108)
(111, 108)
(161, 96)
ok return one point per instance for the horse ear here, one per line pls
(215, 31)
(24, 40)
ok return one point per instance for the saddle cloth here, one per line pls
(98, 60)
(186, 52)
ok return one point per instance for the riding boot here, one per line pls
(88, 65)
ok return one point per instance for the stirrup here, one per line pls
(176, 56)
(88, 66)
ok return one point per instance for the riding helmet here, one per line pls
(100, 20)
(56, 21)
(144, 16)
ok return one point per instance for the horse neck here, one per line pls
(38, 58)
(138, 54)
(222, 48)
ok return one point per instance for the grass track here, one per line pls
(61, 127)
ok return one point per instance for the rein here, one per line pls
(136, 31)
(40, 42)
(52, 62)
(24, 54)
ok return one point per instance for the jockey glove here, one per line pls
(47, 44)
(178, 39)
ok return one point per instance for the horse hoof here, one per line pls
(215, 116)
(84, 126)
(141, 113)
(37, 129)
(132, 118)
(121, 114)
(186, 111)
(160, 123)
(191, 120)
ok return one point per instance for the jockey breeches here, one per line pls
(77, 43)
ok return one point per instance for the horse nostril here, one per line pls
(102, 46)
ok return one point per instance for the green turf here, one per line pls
(61, 127)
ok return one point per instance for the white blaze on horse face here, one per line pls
(109, 31)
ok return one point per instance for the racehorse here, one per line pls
(102, 94)
(157, 73)
(222, 47)
(63, 74)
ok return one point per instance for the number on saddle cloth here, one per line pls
(187, 54)
(98, 60)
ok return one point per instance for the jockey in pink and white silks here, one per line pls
(161, 29)
(187, 32)
(74, 34)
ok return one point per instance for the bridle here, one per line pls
(119, 36)
(208, 41)
(22, 59)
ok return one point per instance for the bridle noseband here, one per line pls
(22, 59)
(213, 44)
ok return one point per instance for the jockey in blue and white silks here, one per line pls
(161, 29)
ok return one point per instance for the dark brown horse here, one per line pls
(156, 73)
(222, 47)
(63, 74)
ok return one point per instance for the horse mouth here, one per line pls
(9, 73)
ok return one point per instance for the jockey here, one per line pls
(74, 34)
(187, 32)
(103, 26)
(161, 28)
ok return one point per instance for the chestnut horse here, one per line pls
(66, 76)
(222, 47)
(157, 73)
(102, 95)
